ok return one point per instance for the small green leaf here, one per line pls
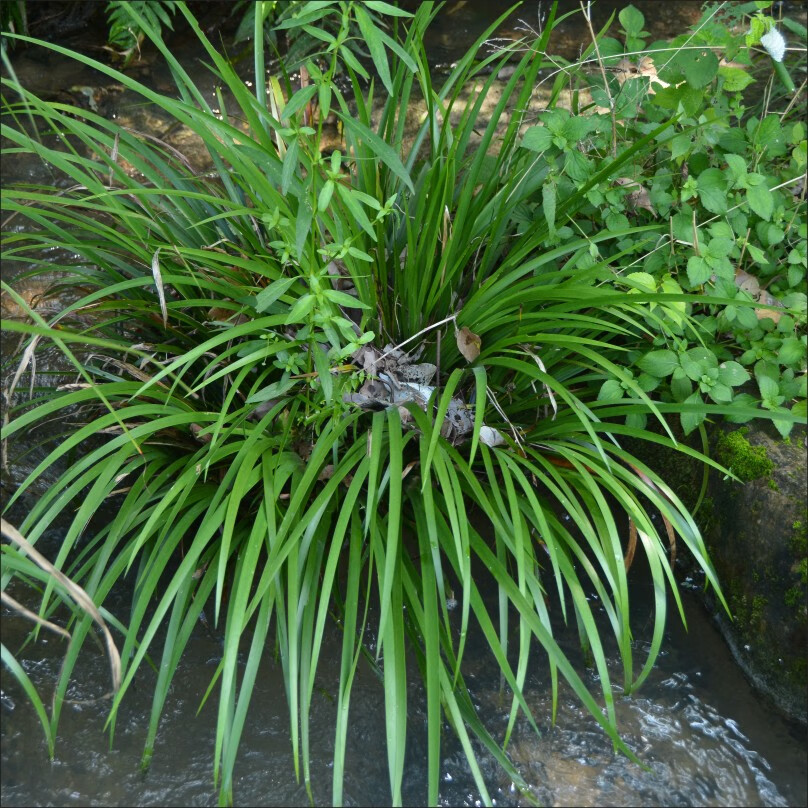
(548, 196)
(325, 195)
(692, 369)
(691, 420)
(576, 166)
(289, 166)
(648, 383)
(305, 214)
(578, 127)
(381, 7)
(343, 299)
(632, 20)
(746, 317)
(768, 387)
(266, 297)
(681, 386)
(795, 275)
(348, 196)
(301, 309)
(323, 370)
(737, 166)
(274, 390)
(353, 63)
(298, 101)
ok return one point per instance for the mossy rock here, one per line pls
(756, 534)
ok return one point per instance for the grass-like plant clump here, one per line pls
(298, 371)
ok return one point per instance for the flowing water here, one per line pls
(696, 723)
(705, 736)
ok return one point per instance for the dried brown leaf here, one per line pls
(468, 343)
(638, 195)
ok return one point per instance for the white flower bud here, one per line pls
(775, 44)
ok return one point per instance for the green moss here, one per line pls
(745, 461)
(799, 539)
(747, 612)
(759, 603)
(798, 671)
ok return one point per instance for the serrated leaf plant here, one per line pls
(275, 386)
(727, 177)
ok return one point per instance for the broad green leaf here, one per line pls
(537, 138)
(735, 78)
(323, 370)
(274, 390)
(720, 393)
(659, 363)
(732, 374)
(610, 390)
(302, 308)
(720, 247)
(576, 166)
(760, 200)
(700, 67)
(642, 281)
(791, 351)
(737, 166)
(712, 186)
(698, 271)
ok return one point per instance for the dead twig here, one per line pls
(586, 8)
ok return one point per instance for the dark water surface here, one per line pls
(705, 734)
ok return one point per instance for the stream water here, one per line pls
(706, 736)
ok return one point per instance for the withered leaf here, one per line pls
(468, 343)
(638, 196)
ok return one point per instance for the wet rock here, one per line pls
(756, 533)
